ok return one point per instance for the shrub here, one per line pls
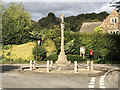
(39, 52)
(9, 53)
(52, 57)
(77, 58)
(71, 58)
(6, 47)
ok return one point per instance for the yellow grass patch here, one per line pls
(23, 51)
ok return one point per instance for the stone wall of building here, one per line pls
(109, 23)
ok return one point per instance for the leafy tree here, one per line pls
(49, 21)
(39, 52)
(98, 30)
(55, 35)
(16, 24)
(69, 47)
(115, 4)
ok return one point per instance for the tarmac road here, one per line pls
(15, 79)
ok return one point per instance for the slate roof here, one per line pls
(88, 27)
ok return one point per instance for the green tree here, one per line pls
(49, 21)
(98, 30)
(115, 4)
(16, 23)
(39, 52)
(55, 35)
(69, 47)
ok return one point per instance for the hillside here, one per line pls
(73, 23)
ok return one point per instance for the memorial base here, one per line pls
(62, 61)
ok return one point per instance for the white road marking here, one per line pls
(91, 86)
(103, 76)
(102, 86)
(93, 78)
(101, 81)
(92, 82)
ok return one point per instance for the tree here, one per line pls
(55, 35)
(115, 4)
(98, 30)
(69, 47)
(16, 24)
(49, 21)
(39, 52)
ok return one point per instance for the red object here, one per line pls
(91, 52)
(38, 42)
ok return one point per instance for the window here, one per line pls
(112, 20)
(113, 32)
(115, 20)
(110, 32)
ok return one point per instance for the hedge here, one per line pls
(71, 58)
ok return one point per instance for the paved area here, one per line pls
(11, 78)
(17, 80)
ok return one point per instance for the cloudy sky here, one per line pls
(39, 9)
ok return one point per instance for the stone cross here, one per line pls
(62, 59)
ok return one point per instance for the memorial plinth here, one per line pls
(62, 58)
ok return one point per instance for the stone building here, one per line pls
(110, 25)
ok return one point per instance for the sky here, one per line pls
(39, 8)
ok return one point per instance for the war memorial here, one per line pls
(62, 65)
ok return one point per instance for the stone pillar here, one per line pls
(51, 63)
(88, 65)
(34, 65)
(48, 66)
(75, 66)
(92, 65)
(30, 64)
(62, 59)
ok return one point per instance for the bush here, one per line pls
(77, 58)
(52, 57)
(6, 47)
(71, 58)
(102, 61)
(9, 53)
(39, 52)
